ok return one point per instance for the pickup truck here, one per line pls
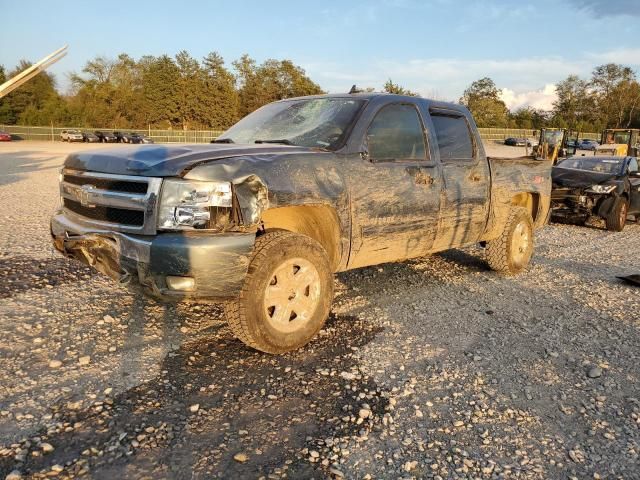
(302, 188)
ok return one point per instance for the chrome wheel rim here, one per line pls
(520, 243)
(292, 295)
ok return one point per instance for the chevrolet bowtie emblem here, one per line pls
(84, 195)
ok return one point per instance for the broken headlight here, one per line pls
(186, 204)
(601, 188)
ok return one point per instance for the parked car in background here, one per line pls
(4, 136)
(517, 142)
(586, 144)
(90, 137)
(120, 137)
(607, 187)
(572, 143)
(124, 137)
(71, 136)
(139, 138)
(106, 137)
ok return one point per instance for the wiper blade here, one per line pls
(223, 140)
(283, 141)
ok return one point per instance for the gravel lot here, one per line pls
(431, 368)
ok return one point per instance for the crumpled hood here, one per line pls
(167, 160)
(572, 178)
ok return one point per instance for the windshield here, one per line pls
(591, 164)
(617, 137)
(315, 122)
(553, 137)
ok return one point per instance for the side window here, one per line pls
(633, 165)
(454, 137)
(396, 133)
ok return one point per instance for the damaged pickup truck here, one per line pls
(298, 190)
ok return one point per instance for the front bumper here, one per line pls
(217, 262)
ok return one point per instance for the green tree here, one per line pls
(222, 100)
(38, 97)
(575, 104)
(390, 87)
(161, 80)
(528, 118)
(482, 98)
(616, 94)
(272, 80)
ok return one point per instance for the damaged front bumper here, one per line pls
(216, 263)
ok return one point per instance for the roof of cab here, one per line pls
(373, 95)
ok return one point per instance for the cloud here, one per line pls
(626, 56)
(608, 8)
(524, 81)
(541, 99)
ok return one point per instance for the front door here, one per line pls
(395, 190)
(466, 177)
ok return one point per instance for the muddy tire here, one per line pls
(286, 296)
(511, 252)
(617, 217)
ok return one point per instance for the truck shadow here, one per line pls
(17, 164)
(267, 407)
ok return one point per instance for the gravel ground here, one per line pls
(430, 368)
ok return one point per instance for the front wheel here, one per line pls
(286, 296)
(617, 217)
(511, 252)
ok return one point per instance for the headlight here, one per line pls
(601, 188)
(188, 204)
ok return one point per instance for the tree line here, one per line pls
(182, 92)
(161, 92)
(610, 98)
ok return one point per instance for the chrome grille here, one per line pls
(124, 203)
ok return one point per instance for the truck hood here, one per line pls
(572, 178)
(167, 160)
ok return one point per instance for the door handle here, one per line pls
(475, 177)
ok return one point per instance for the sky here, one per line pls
(436, 48)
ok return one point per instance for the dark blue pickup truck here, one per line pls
(301, 188)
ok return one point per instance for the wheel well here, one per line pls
(319, 222)
(528, 200)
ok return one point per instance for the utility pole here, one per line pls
(32, 71)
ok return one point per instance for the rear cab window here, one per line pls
(453, 136)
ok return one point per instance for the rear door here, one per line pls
(466, 180)
(395, 189)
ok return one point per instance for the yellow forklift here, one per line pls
(619, 142)
(555, 144)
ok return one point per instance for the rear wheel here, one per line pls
(617, 217)
(511, 252)
(286, 296)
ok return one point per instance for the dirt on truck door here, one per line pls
(395, 192)
(466, 180)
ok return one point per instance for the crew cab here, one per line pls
(603, 186)
(298, 190)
